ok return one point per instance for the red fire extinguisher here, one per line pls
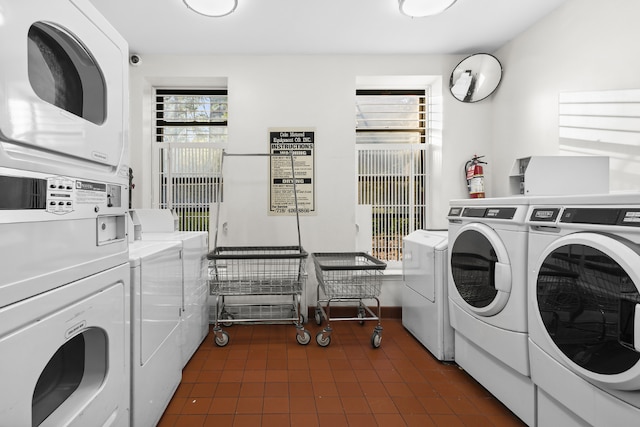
(474, 174)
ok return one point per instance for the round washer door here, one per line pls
(588, 302)
(480, 269)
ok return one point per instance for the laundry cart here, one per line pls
(349, 277)
(269, 281)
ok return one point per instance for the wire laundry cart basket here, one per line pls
(273, 277)
(348, 277)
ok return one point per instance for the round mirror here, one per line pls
(475, 77)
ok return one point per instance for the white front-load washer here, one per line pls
(487, 297)
(584, 309)
(425, 302)
(156, 305)
(158, 225)
(64, 355)
(64, 339)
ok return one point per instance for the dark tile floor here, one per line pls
(263, 377)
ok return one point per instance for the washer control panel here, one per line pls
(31, 196)
(60, 195)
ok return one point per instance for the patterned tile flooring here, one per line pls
(263, 377)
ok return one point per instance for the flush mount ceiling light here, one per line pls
(212, 8)
(420, 8)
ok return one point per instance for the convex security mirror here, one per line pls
(475, 77)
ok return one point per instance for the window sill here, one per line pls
(393, 272)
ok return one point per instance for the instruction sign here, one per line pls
(283, 143)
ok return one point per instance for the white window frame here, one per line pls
(391, 251)
(186, 175)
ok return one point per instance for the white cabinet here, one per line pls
(559, 175)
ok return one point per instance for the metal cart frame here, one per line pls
(348, 277)
(260, 271)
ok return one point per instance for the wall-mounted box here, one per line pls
(559, 175)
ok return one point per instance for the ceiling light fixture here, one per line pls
(212, 8)
(421, 8)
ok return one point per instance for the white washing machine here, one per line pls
(425, 302)
(584, 309)
(487, 297)
(64, 355)
(64, 332)
(158, 225)
(156, 305)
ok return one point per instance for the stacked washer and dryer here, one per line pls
(64, 287)
(584, 309)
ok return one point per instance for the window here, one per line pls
(191, 130)
(391, 130)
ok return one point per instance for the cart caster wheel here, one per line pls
(376, 339)
(323, 342)
(222, 339)
(318, 317)
(226, 316)
(361, 316)
(304, 338)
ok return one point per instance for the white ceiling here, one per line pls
(321, 27)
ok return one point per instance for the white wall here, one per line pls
(304, 91)
(585, 45)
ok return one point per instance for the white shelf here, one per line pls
(559, 175)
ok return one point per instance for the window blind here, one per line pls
(391, 134)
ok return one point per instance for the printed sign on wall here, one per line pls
(287, 146)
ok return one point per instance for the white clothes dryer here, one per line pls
(64, 332)
(64, 355)
(425, 302)
(156, 301)
(63, 145)
(63, 90)
(158, 225)
(584, 309)
(487, 297)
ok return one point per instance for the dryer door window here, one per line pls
(63, 73)
(480, 269)
(69, 369)
(472, 263)
(587, 302)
